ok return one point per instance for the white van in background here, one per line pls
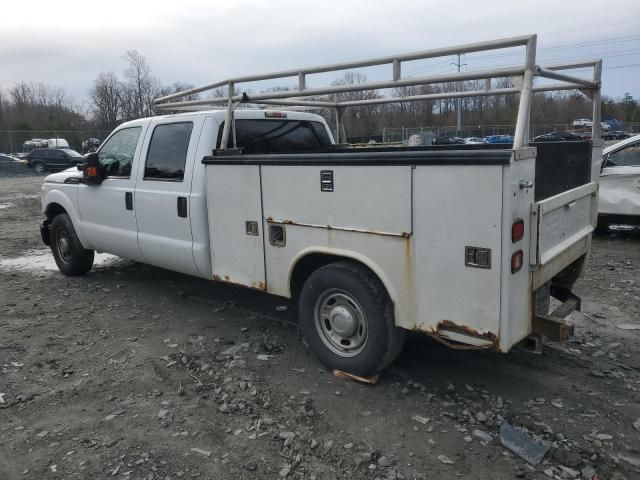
(57, 143)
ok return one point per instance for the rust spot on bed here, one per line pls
(462, 329)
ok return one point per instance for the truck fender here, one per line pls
(350, 255)
(61, 198)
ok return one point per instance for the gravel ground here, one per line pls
(15, 169)
(133, 372)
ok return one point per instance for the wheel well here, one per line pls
(53, 210)
(312, 262)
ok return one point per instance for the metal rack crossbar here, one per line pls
(522, 78)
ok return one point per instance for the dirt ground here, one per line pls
(133, 372)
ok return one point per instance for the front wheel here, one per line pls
(347, 318)
(70, 256)
(39, 168)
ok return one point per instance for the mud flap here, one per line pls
(44, 232)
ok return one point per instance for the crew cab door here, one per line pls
(163, 191)
(620, 182)
(107, 210)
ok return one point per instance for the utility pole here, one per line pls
(458, 100)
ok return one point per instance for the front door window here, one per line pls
(117, 153)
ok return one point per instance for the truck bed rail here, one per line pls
(421, 157)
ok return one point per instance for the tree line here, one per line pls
(118, 97)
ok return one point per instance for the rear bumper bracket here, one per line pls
(554, 326)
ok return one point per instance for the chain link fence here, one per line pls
(17, 141)
(402, 134)
(23, 141)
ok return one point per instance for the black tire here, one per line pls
(71, 257)
(39, 168)
(360, 295)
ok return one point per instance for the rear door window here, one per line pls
(278, 136)
(167, 154)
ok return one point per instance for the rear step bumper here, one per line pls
(554, 326)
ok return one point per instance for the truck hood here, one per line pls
(60, 177)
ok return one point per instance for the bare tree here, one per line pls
(107, 99)
(140, 82)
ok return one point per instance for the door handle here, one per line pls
(182, 207)
(128, 200)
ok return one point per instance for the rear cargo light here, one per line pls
(517, 230)
(275, 115)
(516, 261)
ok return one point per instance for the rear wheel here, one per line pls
(70, 256)
(347, 318)
(39, 168)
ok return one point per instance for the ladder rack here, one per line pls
(522, 77)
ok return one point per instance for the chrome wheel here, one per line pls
(39, 168)
(341, 322)
(64, 246)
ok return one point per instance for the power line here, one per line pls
(592, 27)
(566, 47)
(606, 41)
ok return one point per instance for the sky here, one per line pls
(68, 43)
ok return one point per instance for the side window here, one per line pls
(626, 157)
(117, 153)
(321, 132)
(167, 153)
(278, 136)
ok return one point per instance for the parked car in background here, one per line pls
(35, 143)
(494, 139)
(92, 144)
(43, 159)
(582, 122)
(615, 135)
(619, 198)
(7, 158)
(560, 137)
(473, 141)
(586, 123)
(448, 141)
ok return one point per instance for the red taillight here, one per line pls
(516, 261)
(271, 114)
(517, 230)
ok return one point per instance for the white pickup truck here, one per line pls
(464, 243)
